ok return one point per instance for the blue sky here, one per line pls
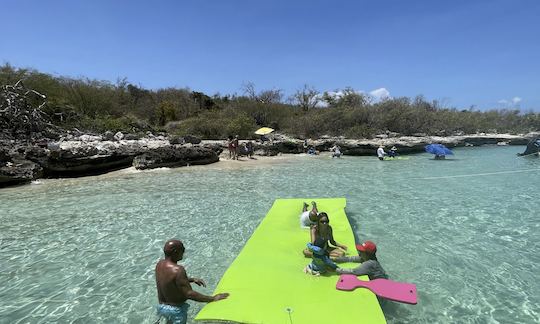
(463, 53)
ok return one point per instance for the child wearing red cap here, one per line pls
(369, 264)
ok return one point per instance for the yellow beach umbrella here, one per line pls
(264, 131)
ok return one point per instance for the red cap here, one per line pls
(367, 246)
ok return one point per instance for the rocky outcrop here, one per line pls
(75, 158)
(175, 156)
(77, 154)
(18, 171)
(404, 144)
(83, 155)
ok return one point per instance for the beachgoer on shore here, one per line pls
(381, 153)
(323, 231)
(312, 151)
(249, 149)
(308, 218)
(305, 145)
(230, 146)
(369, 264)
(173, 285)
(236, 145)
(320, 261)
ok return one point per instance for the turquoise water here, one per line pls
(465, 230)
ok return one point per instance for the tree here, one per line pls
(265, 96)
(307, 97)
(347, 97)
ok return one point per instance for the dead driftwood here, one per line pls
(21, 113)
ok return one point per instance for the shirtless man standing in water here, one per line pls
(173, 285)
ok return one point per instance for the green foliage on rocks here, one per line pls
(97, 106)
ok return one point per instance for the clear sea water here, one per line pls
(465, 230)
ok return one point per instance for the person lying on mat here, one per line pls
(173, 285)
(370, 265)
(320, 263)
(308, 218)
(322, 230)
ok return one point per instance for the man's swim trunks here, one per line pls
(173, 314)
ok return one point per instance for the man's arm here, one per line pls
(362, 269)
(197, 281)
(352, 258)
(182, 282)
(333, 241)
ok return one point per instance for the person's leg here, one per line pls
(307, 253)
(314, 207)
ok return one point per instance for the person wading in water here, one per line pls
(173, 285)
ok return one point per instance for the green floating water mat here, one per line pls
(267, 284)
(397, 158)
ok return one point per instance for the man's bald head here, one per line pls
(173, 247)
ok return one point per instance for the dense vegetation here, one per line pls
(97, 106)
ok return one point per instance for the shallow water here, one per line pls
(465, 230)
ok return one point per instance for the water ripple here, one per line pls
(467, 233)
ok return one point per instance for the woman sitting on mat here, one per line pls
(370, 265)
(323, 231)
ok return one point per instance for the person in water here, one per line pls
(381, 153)
(393, 152)
(336, 151)
(308, 218)
(320, 261)
(369, 266)
(173, 285)
(322, 232)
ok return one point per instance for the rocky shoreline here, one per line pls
(75, 156)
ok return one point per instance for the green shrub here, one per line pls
(95, 105)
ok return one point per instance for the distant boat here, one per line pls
(502, 143)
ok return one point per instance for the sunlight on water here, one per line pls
(465, 230)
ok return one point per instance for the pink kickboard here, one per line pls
(397, 291)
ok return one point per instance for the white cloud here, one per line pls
(380, 94)
(510, 103)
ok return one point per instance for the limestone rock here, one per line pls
(192, 139)
(175, 156)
